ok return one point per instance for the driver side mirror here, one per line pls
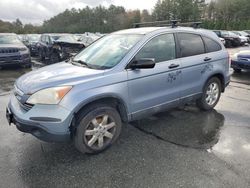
(144, 63)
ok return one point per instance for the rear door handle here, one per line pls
(172, 66)
(207, 59)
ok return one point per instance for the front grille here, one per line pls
(25, 56)
(10, 58)
(8, 50)
(20, 98)
(26, 107)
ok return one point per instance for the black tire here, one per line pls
(27, 66)
(237, 70)
(41, 56)
(201, 102)
(54, 58)
(229, 44)
(84, 121)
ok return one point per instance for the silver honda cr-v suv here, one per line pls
(121, 77)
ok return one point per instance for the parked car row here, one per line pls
(13, 51)
(17, 49)
(233, 38)
(58, 47)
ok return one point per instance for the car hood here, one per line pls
(55, 75)
(242, 37)
(67, 42)
(244, 54)
(12, 45)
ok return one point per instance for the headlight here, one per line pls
(235, 57)
(23, 49)
(49, 96)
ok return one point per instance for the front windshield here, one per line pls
(233, 34)
(224, 33)
(108, 51)
(236, 33)
(243, 33)
(68, 38)
(9, 39)
(34, 38)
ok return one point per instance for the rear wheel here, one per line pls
(211, 94)
(97, 128)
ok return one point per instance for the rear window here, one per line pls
(211, 45)
(190, 44)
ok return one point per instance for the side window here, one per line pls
(211, 45)
(190, 44)
(47, 39)
(217, 33)
(160, 48)
(43, 38)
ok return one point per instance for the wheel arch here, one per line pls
(221, 77)
(112, 100)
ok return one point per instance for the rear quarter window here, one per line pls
(190, 44)
(211, 45)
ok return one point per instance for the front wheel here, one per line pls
(54, 58)
(41, 56)
(211, 94)
(97, 128)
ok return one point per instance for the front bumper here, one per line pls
(49, 123)
(236, 64)
(21, 62)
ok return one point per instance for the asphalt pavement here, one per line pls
(184, 147)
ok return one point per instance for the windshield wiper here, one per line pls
(80, 63)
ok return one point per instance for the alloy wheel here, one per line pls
(99, 132)
(212, 93)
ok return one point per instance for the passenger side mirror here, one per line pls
(145, 63)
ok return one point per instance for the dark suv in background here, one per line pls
(31, 41)
(232, 40)
(58, 47)
(13, 51)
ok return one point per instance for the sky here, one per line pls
(36, 11)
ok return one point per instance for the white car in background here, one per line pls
(88, 38)
(244, 40)
(223, 41)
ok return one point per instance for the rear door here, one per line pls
(152, 89)
(194, 63)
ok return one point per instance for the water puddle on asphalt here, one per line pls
(9, 75)
(8, 78)
(187, 127)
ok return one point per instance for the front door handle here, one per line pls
(172, 66)
(207, 59)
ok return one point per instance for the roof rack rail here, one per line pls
(165, 23)
(155, 23)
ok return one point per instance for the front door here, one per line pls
(150, 90)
